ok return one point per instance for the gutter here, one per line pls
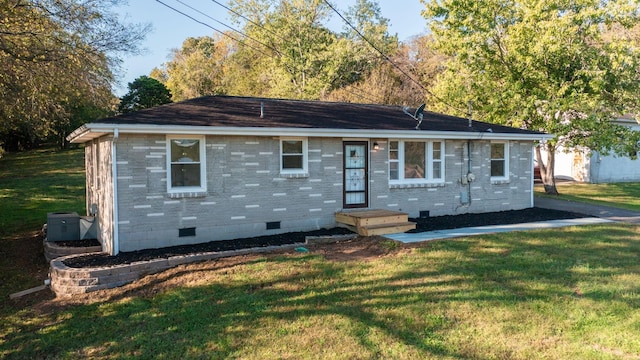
(93, 130)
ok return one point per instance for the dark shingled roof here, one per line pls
(230, 111)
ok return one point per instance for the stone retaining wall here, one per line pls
(67, 281)
(53, 250)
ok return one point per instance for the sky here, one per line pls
(170, 29)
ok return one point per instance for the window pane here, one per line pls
(414, 160)
(355, 180)
(292, 161)
(292, 147)
(497, 168)
(393, 170)
(497, 151)
(185, 150)
(437, 153)
(185, 175)
(437, 170)
(355, 156)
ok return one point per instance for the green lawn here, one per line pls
(621, 195)
(551, 294)
(569, 293)
(34, 183)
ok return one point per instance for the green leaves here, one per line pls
(56, 57)
(562, 67)
(144, 92)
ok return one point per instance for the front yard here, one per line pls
(560, 294)
(567, 293)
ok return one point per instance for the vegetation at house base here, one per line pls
(566, 68)
(549, 294)
(144, 92)
(57, 60)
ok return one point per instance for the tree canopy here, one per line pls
(57, 59)
(285, 49)
(144, 92)
(552, 65)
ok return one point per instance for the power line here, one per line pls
(229, 27)
(387, 58)
(370, 99)
(249, 20)
(210, 27)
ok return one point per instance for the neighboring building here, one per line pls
(592, 167)
(220, 167)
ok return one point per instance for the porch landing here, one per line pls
(375, 222)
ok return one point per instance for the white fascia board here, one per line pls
(94, 130)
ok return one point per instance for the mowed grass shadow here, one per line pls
(499, 296)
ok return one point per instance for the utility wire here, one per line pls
(370, 99)
(210, 27)
(249, 20)
(387, 58)
(229, 27)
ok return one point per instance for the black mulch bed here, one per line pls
(213, 246)
(491, 218)
(423, 224)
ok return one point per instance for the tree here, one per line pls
(144, 92)
(289, 51)
(196, 69)
(54, 54)
(387, 84)
(542, 65)
(290, 48)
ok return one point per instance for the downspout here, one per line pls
(114, 173)
(469, 167)
(533, 178)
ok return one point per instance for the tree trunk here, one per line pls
(547, 170)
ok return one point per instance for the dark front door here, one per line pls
(356, 189)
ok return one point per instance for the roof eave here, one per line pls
(93, 130)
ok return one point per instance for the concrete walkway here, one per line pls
(601, 214)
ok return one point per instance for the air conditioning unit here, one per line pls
(63, 226)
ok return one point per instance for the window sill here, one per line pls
(294, 175)
(500, 181)
(417, 185)
(187, 194)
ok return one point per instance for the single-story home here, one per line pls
(588, 166)
(222, 167)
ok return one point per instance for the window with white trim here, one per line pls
(293, 155)
(186, 164)
(413, 162)
(499, 160)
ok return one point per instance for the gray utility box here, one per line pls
(63, 226)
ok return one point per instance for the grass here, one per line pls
(570, 294)
(33, 184)
(620, 195)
